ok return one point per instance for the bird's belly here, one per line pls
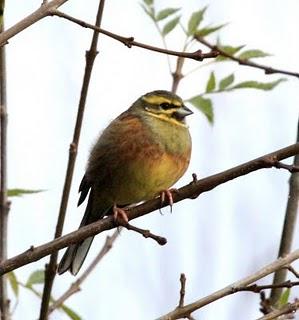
(143, 180)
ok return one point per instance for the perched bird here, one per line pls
(140, 155)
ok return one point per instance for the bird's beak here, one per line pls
(183, 112)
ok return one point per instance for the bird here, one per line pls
(140, 155)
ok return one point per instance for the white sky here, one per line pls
(216, 239)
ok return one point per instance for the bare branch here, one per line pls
(293, 271)
(258, 288)
(182, 291)
(287, 309)
(42, 12)
(178, 313)
(130, 42)
(75, 286)
(289, 225)
(4, 204)
(51, 267)
(192, 190)
(146, 234)
(249, 63)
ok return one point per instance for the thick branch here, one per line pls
(249, 63)
(4, 204)
(192, 190)
(51, 267)
(289, 227)
(268, 269)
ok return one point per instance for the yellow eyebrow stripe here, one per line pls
(158, 100)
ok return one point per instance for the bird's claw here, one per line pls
(120, 214)
(167, 194)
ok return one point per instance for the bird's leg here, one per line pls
(167, 194)
(119, 213)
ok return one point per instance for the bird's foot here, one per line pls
(167, 194)
(120, 214)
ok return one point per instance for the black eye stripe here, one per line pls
(167, 106)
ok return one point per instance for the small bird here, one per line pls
(140, 155)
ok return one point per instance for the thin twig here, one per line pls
(75, 286)
(146, 234)
(249, 63)
(293, 271)
(289, 225)
(182, 291)
(197, 55)
(178, 313)
(190, 190)
(287, 309)
(50, 9)
(4, 204)
(258, 288)
(177, 75)
(51, 267)
(290, 168)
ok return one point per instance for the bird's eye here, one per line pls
(165, 106)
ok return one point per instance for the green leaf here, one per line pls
(148, 2)
(36, 277)
(20, 192)
(258, 85)
(195, 21)
(149, 11)
(284, 298)
(248, 54)
(204, 105)
(226, 82)
(211, 84)
(229, 50)
(208, 30)
(163, 14)
(13, 282)
(71, 313)
(169, 26)
(34, 291)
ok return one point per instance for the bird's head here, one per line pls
(163, 105)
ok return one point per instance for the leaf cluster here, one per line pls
(167, 19)
(36, 278)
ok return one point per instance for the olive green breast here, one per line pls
(137, 158)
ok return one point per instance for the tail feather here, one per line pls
(75, 254)
(80, 255)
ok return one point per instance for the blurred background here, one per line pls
(225, 234)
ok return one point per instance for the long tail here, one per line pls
(75, 254)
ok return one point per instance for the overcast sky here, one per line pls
(216, 239)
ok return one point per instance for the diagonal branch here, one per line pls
(50, 9)
(51, 267)
(40, 13)
(192, 190)
(130, 42)
(75, 286)
(249, 63)
(179, 313)
(285, 310)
